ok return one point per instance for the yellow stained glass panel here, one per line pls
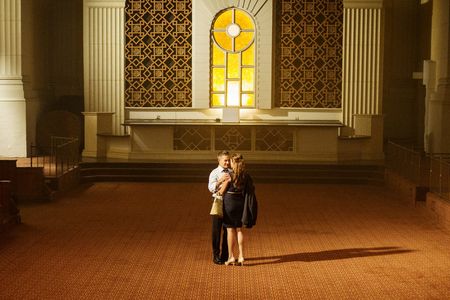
(248, 79)
(218, 100)
(233, 66)
(233, 93)
(243, 40)
(248, 100)
(218, 56)
(218, 79)
(223, 40)
(248, 56)
(233, 74)
(223, 20)
(244, 20)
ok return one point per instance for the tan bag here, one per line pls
(217, 206)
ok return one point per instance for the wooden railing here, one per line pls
(62, 156)
(8, 192)
(430, 170)
(440, 174)
(409, 163)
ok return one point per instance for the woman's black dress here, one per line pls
(233, 206)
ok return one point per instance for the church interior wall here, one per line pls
(402, 108)
(424, 45)
(163, 85)
(52, 62)
(35, 62)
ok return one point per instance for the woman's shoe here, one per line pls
(240, 261)
(230, 261)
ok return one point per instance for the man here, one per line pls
(217, 176)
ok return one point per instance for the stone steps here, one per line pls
(199, 172)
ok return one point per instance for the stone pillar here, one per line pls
(362, 55)
(95, 125)
(437, 127)
(104, 58)
(12, 100)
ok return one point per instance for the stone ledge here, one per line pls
(218, 122)
(354, 137)
(405, 187)
(441, 208)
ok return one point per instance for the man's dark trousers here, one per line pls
(216, 230)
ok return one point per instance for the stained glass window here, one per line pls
(233, 59)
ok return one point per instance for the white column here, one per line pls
(104, 58)
(437, 114)
(12, 101)
(362, 59)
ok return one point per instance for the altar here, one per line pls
(259, 141)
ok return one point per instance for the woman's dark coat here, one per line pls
(250, 213)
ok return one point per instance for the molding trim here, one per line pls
(104, 3)
(363, 3)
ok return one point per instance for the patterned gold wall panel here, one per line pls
(192, 138)
(158, 71)
(234, 138)
(274, 139)
(309, 53)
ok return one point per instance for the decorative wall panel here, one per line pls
(158, 70)
(309, 53)
(192, 138)
(234, 138)
(274, 139)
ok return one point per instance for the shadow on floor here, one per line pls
(326, 255)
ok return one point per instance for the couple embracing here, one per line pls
(231, 181)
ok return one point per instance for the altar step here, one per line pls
(264, 173)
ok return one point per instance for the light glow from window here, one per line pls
(233, 93)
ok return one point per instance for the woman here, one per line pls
(239, 206)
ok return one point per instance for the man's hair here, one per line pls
(223, 153)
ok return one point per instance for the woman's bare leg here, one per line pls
(231, 238)
(240, 239)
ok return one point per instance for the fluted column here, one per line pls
(104, 48)
(362, 59)
(12, 100)
(437, 81)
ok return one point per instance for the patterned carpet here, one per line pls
(152, 241)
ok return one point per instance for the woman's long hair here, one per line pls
(238, 175)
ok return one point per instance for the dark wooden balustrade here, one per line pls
(8, 187)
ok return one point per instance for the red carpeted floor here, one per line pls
(152, 241)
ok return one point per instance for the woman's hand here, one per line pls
(224, 178)
(224, 184)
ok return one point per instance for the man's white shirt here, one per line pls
(214, 178)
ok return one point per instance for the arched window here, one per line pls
(233, 59)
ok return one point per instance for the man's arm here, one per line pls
(213, 179)
(223, 186)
